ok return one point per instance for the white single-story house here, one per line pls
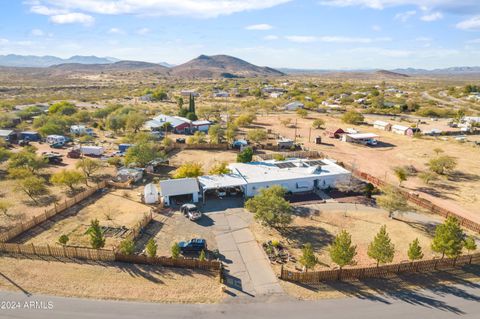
(179, 124)
(471, 119)
(381, 125)
(402, 130)
(179, 187)
(150, 194)
(295, 175)
(293, 106)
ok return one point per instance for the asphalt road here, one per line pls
(462, 301)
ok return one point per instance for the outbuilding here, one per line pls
(381, 125)
(334, 132)
(30, 136)
(125, 174)
(8, 136)
(402, 130)
(182, 189)
(150, 194)
(361, 138)
(201, 125)
(293, 106)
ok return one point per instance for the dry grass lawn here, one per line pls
(110, 281)
(207, 158)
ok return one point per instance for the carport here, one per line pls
(225, 181)
(179, 187)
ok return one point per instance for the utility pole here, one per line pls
(295, 139)
(309, 134)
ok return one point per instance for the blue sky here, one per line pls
(326, 34)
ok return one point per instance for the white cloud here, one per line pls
(259, 27)
(116, 31)
(473, 41)
(195, 8)
(376, 28)
(4, 41)
(470, 24)
(457, 6)
(301, 38)
(271, 37)
(337, 39)
(37, 33)
(434, 16)
(404, 16)
(46, 11)
(74, 17)
(143, 31)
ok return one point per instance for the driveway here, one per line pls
(247, 269)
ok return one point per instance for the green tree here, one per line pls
(68, 178)
(392, 201)
(135, 121)
(63, 239)
(442, 164)
(116, 122)
(415, 250)
(368, 190)
(88, 166)
(318, 123)
(216, 134)
(63, 107)
(381, 248)
(33, 186)
(190, 169)
(191, 116)
(127, 246)
(151, 248)
(230, 132)
(401, 174)
(27, 159)
(470, 244)
(245, 119)
(270, 207)
(219, 169)
(257, 135)
(4, 155)
(302, 113)
(143, 153)
(191, 104)
(308, 258)
(448, 238)
(180, 102)
(342, 251)
(97, 239)
(197, 138)
(245, 156)
(427, 177)
(202, 256)
(353, 117)
(175, 249)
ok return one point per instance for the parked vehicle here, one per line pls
(180, 140)
(191, 211)
(52, 157)
(91, 150)
(221, 192)
(23, 143)
(74, 154)
(193, 245)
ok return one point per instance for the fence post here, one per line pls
(48, 249)
(33, 249)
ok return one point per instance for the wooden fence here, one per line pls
(431, 265)
(201, 146)
(49, 213)
(136, 230)
(170, 262)
(59, 251)
(417, 200)
(299, 154)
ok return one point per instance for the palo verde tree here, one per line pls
(318, 123)
(270, 207)
(220, 169)
(33, 186)
(401, 174)
(392, 201)
(97, 239)
(216, 134)
(308, 259)
(68, 178)
(381, 249)
(414, 250)
(190, 169)
(442, 164)
(448, 239)
(88, 166)
(27, 159)
(342, 251)
(245, 156)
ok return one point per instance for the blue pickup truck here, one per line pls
(193, 245)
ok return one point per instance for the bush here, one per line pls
(127, 247)
(151, 248)
(175, 250)
(245, 156)
(353, 117)
(63, 239)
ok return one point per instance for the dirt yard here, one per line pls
(207, 158)
(458, 192)
(109, 281)
(115, 209)
(318, 224)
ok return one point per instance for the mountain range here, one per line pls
(14, 60)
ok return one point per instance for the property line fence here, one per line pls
(420, 201)
(431, 265)
(170, 262)
(298, 154)
(137, 229)
(49, 213)
(201, 146)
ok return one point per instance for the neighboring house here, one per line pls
(30, 136)
(221, 94)
(293, 106)
(272, 89)
(334, 132)
(80, 130)
(381, 125)
(189, 93)
(276, 95)
(179, 124)
(202, 126)
(184, 189)
(402, 130)
(361, 138)
(147, 98)
(471, 119)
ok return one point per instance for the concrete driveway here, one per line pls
(247, 268)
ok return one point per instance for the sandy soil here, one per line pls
(113, 209)
(362, 222)
(110, 281)
(207, 158)
(459, 192)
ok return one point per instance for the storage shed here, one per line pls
(150, 194)
(30, 136)
(8, 135)
(183, 189)
(333, 132)
(381, 125)
(402, 130)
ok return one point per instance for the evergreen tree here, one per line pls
(97, 240)
(448, 238)
(175, 251)
(127, 247)
(381, 249)
(191, 104)
(342, 251)
(202, 256)
(151, 248)
(308, 259)
(415, 250)
(470, 244)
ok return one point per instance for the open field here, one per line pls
(458, 192)
(318, 224)
(109, 281)
(207, 158)
(115, 209)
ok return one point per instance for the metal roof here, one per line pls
(181, 186)
(6, 132)
(221, 181)
(361, 136)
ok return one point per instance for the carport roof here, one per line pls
(181, 186)
(221, 181)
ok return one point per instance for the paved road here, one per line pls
(248, 271)
(457, 302)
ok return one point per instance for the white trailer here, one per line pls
(91, 150)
